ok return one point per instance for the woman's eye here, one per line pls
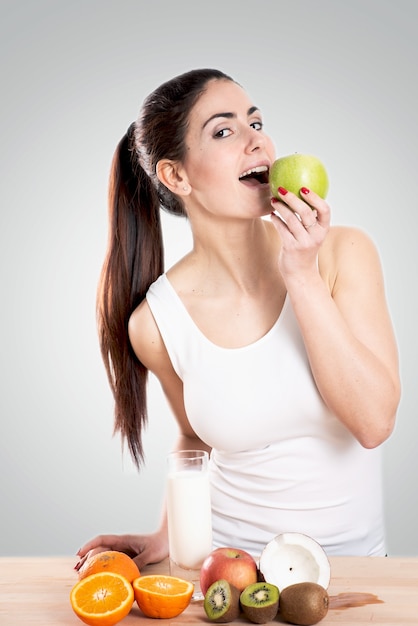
(224, 132)
(257, 125)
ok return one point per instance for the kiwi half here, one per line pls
(260, 602)
(221, 602)
(304, 603)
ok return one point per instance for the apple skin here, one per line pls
(298, 170)
(236, 566)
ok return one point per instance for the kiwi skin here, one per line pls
(260, 602)
(221, 602)
(303, 604)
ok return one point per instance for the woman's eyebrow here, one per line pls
(228, 115)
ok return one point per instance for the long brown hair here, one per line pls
(135, 255)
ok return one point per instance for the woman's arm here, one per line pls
(340, 305)
(149, 348)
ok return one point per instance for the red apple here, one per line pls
(232, 564)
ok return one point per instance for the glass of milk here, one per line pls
(189, 515)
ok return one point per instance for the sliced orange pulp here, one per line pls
(102, 599)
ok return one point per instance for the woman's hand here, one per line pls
(143, 549)
(302, 226)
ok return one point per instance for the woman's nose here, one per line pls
(255, 140)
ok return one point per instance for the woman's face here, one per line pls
(228, 154)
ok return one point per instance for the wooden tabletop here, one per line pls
(363, 590)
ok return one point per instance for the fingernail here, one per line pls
(274, 200)
(282, 191)
(304, 190)
(77, 566)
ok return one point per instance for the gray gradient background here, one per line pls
(338, 79)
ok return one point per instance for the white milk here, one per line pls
(189, 518)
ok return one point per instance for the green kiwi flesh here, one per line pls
(260, 602)
(303, 604)
(221, 602)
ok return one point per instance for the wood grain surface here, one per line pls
(363, 590)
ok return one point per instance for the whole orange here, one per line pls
(110, 561)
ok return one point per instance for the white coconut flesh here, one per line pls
(292, 558)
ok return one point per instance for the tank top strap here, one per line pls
(180, 336)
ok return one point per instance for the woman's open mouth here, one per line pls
(256, 176)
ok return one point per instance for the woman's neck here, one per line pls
(239, 256)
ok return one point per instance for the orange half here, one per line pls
(102, 599)
(162, 596)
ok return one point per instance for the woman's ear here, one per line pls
(170, 175)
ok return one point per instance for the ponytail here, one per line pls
(134, 260)
(134, 257)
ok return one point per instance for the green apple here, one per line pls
(298, 170)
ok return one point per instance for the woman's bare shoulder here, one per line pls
(346, 249)
(340, 236)
(343, 240)
(145, 337)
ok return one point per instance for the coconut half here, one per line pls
(293, 558)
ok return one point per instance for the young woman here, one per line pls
(271, 338)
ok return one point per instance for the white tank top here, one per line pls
(280, 461)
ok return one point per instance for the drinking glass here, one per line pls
(189, 515)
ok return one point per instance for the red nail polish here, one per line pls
(282, 191)
(304, 190)
(274, 200)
